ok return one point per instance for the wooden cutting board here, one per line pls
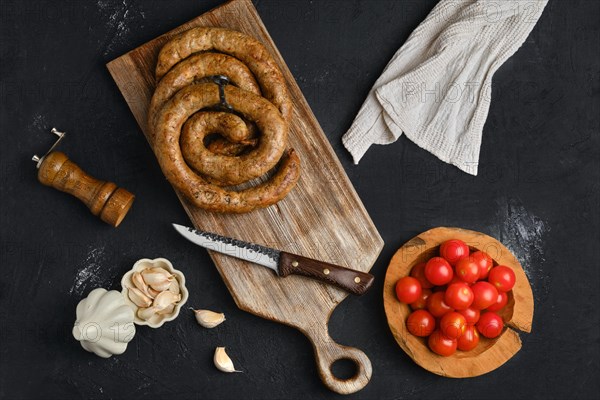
(322, 217)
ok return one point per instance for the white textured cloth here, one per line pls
(437, 87)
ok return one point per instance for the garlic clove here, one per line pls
(153, 293)
(164, 299)
(222, 361)
(161, 286)
(158, 278)
(174, 286)
(156, 274)
(139, 283)
(139, 298)
(167, 310)
(209, 319)
(146, 313)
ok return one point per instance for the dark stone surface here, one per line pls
(538, 192)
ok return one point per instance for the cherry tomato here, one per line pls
(467, 270)
(500, 302)
(438, 271)
(456, 279)
(421, 302)
(441, 345)
(485, 295)
(418, 272)
(436, 304)
(453, 250)
(471, 315)
(453, 325)
(408, 289)
(485, 263)
(459, 296)
(490, 324)
(502, 277)
(469, 339)
(420, 323)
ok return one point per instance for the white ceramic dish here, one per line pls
(158, 320)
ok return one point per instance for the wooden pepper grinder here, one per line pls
(103, 198)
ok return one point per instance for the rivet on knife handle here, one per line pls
(356, 282)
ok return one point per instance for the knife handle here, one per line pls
(355, 282)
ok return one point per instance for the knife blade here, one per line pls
(283, 263)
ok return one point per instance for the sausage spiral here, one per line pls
(219, 117)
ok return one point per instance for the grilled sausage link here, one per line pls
(236, 44)
(209, 133)
(168, 128)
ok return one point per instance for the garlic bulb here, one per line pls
(222, 361)
(209, 319)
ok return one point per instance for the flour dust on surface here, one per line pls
(91, 273)
(522, 233)
(119, 18)
(39, 123)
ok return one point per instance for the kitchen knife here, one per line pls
(281, 262)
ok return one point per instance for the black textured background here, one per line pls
(538, 192)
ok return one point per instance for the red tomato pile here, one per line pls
(454, 298)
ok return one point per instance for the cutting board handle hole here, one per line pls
(344, 369)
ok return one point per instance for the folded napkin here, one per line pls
(437, 87)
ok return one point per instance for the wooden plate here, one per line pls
(490, 353)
